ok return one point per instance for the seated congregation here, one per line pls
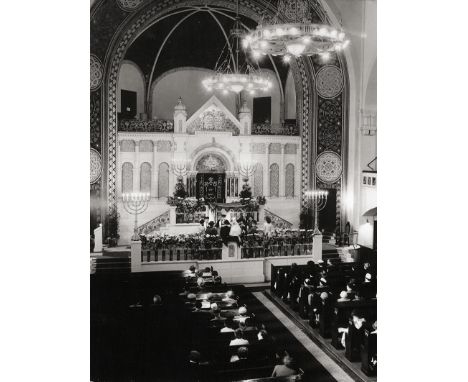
(228, 341)
(339, 302)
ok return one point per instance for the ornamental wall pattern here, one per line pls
(113, 29)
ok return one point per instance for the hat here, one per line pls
(191, 296)
(324, 295)
(343, 294)
(368, 276)
(323, 280)
(195, 356)
(242, 310)
(214, 306)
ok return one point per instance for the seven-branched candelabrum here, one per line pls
(135, 203)
(317, 199)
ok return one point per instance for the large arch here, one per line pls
(134, 22)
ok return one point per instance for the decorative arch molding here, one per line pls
(129, 26)
(216, 149)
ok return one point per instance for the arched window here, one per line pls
(146, 146)
(127, 146)
(258, 180)
(290, 148)
(274, 180)
(145, 177)
(289, 181)
(163, 180)
(127, 177)
(274, 148)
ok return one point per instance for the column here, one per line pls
(281, 173)
(119, 171)
(136, 168)
(266, 175)
(154, 173)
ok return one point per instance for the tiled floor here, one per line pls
(332, 367)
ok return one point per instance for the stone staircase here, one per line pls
(278, 221)
(111, 263)
(154, 224)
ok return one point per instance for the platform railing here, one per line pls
(176, 253)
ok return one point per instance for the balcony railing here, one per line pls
(286, 128)
(149, 126)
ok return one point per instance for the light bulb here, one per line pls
(237, 88)
(266, 33)
(345, 44)
(251, 92)
(325, 56)
(225, 92)
(294, 31)
(341, 36)
(295, 48)
(256, 54)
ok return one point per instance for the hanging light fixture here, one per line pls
(229, 77)
(297, 38)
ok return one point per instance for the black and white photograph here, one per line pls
(190, 190)
(232, 238)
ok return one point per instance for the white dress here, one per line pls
(267, 228)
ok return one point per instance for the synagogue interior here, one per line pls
(233, 190)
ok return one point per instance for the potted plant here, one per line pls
(113, 229)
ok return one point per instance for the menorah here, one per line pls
(179, 168)
(247, 169)
(136, 203)
(318, 200)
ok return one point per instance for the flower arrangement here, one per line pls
(194, 241)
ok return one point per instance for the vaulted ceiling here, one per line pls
(198, 41)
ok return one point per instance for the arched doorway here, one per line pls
(211, 178)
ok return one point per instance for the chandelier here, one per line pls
(229, 76)
(299, 37)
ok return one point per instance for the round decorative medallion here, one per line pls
(329, 81)
(328, 167)
(129, 5)
(96, 73)
(95, 166)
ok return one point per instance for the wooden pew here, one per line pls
(342, 313)
(369, 353)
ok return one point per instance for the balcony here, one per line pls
(267, 128)
(149, 126)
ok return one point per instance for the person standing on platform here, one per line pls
(211, 230)
(224, 231)
(242, 223)
(201, 228)
(267, 227)
(235, 231)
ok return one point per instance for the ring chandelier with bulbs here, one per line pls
(230, 77)
(300, 37)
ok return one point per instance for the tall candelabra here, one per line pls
(247, 169)
(179, 168)
(317, 199)
(136, 203)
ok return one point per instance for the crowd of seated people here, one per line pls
(339, 300)
(228, 342)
